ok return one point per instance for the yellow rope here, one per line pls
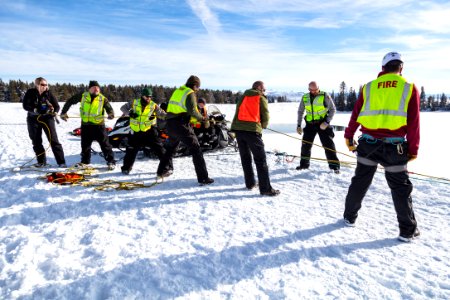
(307, 142)
(79, 117)
(102, 185)
(49, 145)
(348, 163)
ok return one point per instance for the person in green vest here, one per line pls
(320, 110)
(92, 109)
(388, 111)
(181, 107)
(144, 133)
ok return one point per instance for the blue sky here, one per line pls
(228, 44)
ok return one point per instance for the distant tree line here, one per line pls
(14, 90)
(345, 100)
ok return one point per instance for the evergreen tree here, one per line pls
(436, 102)
(430, 102)
(158, 94)
(14, 91)
(2, 91)
(443, 102)
(351, 100)
(423, 99)
(340, 102)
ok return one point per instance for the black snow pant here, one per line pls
(204, 134)
(326, 138)
(393, 157)
(138, 140)
(35, 128)
(179, 130)
(251, 143)
(90, 133)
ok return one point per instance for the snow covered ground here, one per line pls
(180, 240)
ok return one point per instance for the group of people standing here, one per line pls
(387, 111)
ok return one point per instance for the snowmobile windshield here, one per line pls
(213, 110)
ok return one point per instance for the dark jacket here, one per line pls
(37, 104)
(77, 98)
(263, 112)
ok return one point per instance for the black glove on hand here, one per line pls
(133, 114)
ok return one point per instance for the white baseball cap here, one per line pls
(390, 57)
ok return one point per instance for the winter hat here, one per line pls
(147, 92)
(201, 100)
(193, 80)
(93, 83)
(390, 57)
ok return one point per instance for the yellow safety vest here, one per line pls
(91, 110)
(196, 123)
(177, 103)
(145, 119)
(386, 102)
(315, 110)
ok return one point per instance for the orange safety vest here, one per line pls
(249, 109)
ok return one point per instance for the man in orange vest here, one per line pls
(388, 111)
(252, 115)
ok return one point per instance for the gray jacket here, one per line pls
(328, 103)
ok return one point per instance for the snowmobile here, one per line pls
(218, 136)
(77, 131)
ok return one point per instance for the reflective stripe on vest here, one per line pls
(177, 103)
(386, 102)
(315, 110)
(196, 123)
(145, 119)
(92, 110)
(249, 109)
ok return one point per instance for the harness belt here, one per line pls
(389, 140)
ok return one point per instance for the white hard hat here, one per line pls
(390, 57)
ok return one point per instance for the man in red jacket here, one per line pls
(388, 111)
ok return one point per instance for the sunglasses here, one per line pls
(43, 84)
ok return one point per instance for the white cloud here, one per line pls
(225, 60)
(434, 18)
(207, 17)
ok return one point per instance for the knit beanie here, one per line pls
(147, 92)
(193, 80)
(93, 83)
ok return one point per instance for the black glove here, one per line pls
(133, 114)
(64, 117)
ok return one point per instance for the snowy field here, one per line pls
(180, 240)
